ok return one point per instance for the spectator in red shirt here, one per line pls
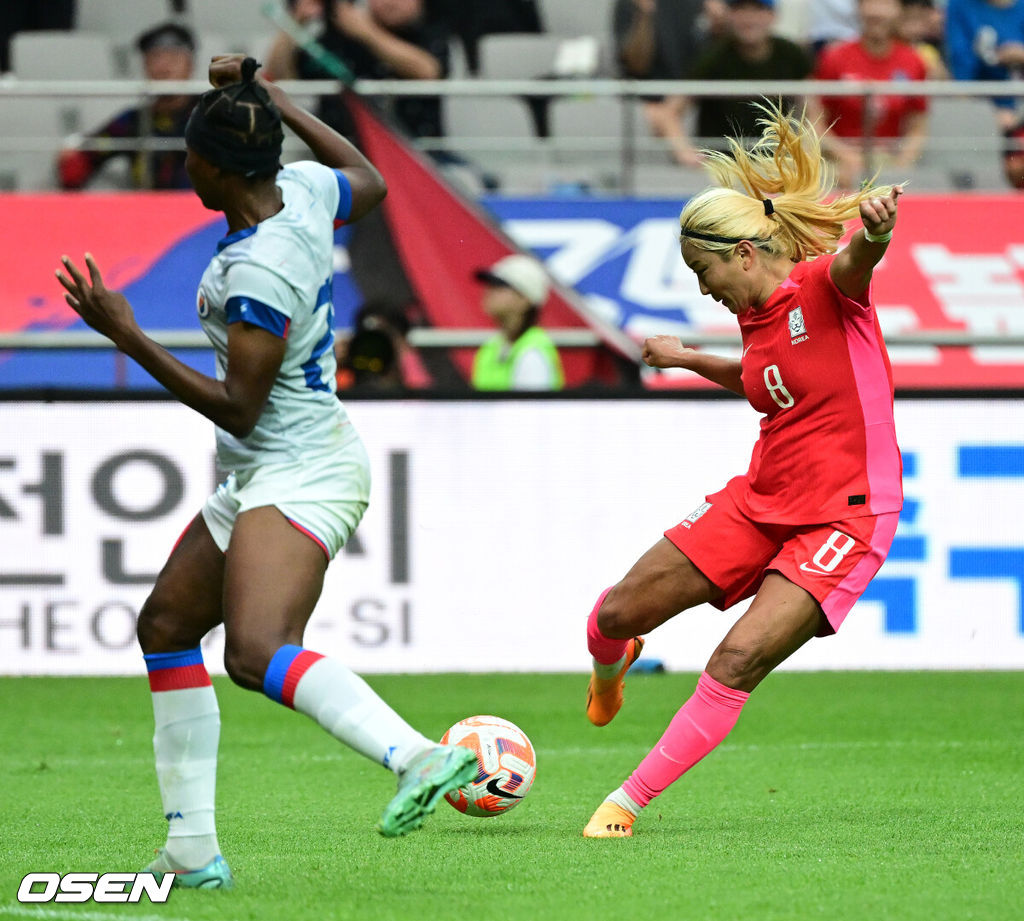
(894, 126)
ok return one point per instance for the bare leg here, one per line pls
(780, 620)
(185, 603)
(660, 584)
(273, 577)
(272, 581)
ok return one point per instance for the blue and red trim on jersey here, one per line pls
(242, 307)
(285, 671)
(176, 671)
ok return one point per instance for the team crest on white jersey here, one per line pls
(699, 511)
(797, 328)
(202, 306)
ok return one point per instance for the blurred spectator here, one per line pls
(1013, 155)
(471, 20)
(281, 59)
(167, 54)
(856, 129)
(377, 355)
(751, 51)
(922, 26)
(521, 356)
(985, 41)
(658, 40)
(29, 16)
(385, 40)
(832, 21)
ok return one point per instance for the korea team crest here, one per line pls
(797, 328)
(202, 306)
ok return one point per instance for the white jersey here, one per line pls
(277, 275)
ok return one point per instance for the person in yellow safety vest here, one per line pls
(521, 356)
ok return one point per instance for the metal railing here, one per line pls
(435, 338)
(628, 142)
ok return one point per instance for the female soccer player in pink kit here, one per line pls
(809, 524)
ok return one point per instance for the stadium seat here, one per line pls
(62, 56)
(493, 118)
(122, 21)
(34, 131)
(964, 142)
(598, 118)
(495, 133)
(518, 56)
(232, 17)
(591, 17)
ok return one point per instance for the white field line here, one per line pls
(85, 914)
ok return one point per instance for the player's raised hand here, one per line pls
(108, 312)
(666, 352)
(879, 213)
(226, 69)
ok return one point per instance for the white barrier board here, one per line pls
(493, 527)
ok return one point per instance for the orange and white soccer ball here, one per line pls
(506, 765)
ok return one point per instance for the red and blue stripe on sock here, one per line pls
(175, 671)
(285, 670)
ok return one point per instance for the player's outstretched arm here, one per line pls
(329, 147)
(851, 269)
(233, 404)
(669, 352)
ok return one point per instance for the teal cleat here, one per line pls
(428, 777)
(215, 875)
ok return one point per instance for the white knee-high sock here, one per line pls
(185, 744)
(343, 704)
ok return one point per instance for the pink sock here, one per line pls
(699, 726)
(604, 650)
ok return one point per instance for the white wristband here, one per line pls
(879, 238)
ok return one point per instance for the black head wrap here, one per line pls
(237, 127)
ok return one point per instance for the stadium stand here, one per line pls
(77, 55)
(533, 145)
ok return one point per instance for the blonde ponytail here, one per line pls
(785, 168)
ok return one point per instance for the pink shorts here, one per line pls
(833, 562)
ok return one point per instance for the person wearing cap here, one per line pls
(521, 356)
(168, 51)
(255, 557)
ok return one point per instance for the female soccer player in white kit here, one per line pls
(254, 558)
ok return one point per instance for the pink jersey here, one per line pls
(815, 364)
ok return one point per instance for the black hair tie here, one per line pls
(249, 68)
(769, 208)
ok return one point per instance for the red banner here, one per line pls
(955, 263)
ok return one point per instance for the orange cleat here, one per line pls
(604, 695)
(610, 821)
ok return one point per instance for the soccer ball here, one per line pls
(506, 765)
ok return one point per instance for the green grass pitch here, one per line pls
(838, 796)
